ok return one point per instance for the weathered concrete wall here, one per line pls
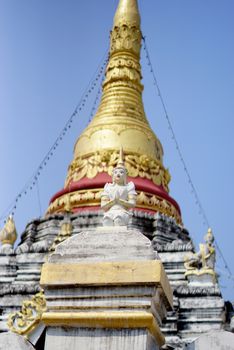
(219, 340)
(12, 341)
(105, 339)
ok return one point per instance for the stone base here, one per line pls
(104, 289)
(201, 311)
(201, 277)
(106, 339)
(105, 244)
(20, 273)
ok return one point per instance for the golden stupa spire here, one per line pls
(119, 121)
(127, 12)
(120, 118)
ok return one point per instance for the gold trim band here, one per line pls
(107, 273)
(94, 163)
(92, 197)
(115, 320)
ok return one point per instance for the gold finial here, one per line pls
(120, 163)
(8, 234)
(127, 12)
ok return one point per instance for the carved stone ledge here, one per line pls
(175, 246)
(38, 247)
(197, 291)
(19, 289)
(6, 249)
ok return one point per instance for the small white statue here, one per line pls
(118, 197)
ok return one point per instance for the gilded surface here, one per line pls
(105, 161)
(120, 118)
(116, 319)
(23, 322)
(92, 197)
(108, 273)
(8, 234)
(125, 69)
(126, 37)
(127, 12)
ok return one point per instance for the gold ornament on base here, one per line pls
(25, 321)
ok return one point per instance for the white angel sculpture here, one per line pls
(118, 197)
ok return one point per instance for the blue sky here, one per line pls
(50, 51)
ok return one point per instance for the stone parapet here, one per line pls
(202, 310)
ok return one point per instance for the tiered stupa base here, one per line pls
(189, 318)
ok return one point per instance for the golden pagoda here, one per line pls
(106, 287)
(120, 121)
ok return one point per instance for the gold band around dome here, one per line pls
(136, 164)
(92, 197)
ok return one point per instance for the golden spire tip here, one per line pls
(127, 12)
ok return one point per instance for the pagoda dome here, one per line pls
(120, 121)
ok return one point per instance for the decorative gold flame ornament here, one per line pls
(24, 322)
(137, 165)
(8, 234)
(120, 120)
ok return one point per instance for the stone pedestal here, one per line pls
(201, 310)
(105, 289)
(203, 277)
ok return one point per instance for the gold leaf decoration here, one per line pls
(24, 321)
(104, 161)
(92, 197)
